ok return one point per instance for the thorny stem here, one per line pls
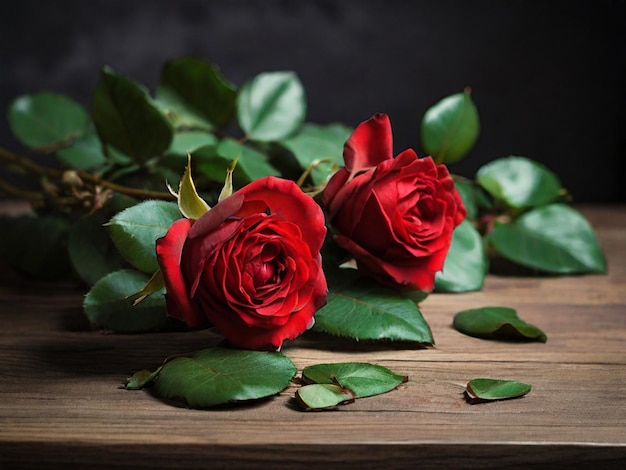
(31, 167)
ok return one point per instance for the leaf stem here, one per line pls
(31, 167)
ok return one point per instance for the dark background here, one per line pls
(547, 76)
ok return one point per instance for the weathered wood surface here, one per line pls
(61, 401)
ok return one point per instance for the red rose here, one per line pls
(251, 265)
(394, 215)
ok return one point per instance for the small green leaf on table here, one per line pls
(520, 182)
(323, 396)
(365, 310)
(466, 263)
(221, 375)
(362, 378)
(553, 238)
(496, 322)
(47, 119)
(483, 390)
(450, 128)
(136, 229)
(271, 106)
(141, 379)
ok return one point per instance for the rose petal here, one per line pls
(212, 219)
(169, 251)
(286, 199)
(370, 144)
(201, 248)
(415, 275)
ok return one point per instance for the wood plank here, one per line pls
(62, 401)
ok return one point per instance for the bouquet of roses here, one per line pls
(295, 226)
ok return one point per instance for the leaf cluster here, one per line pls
(517, 212)
(102, 210)
(132, 141)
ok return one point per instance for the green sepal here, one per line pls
(190, 204)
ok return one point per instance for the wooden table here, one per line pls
(62, 401)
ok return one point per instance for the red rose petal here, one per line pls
(370, 144)
(285, 198)
(169, 251)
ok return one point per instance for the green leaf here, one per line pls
(553, 238)
(141, 379)
(482, 390)
(467, 190)
(251, 164)
(323, 396)
(271, 106)
(91, 252)
(136, 229)
(127, 119)
(220, 375)
(36, 245)
(194, 93)
(47, 119)
(496, 322)
(365, 310)
(190, 141)
(519, 182)
(319, 147)
(107, 305)
(466, 263)
(450, 128)
(362, 378)
(85, 153)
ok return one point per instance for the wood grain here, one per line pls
(62, 404)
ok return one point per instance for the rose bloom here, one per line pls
(395, 216)
(251, 265)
